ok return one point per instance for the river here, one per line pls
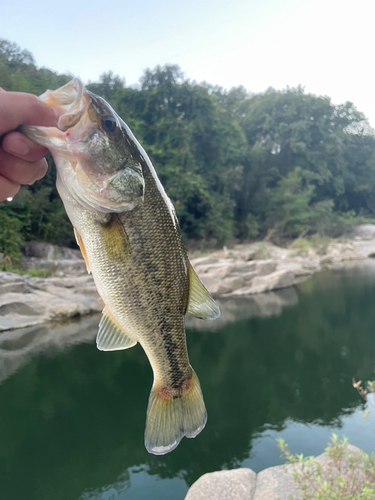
(278, 365)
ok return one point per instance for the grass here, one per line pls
(33, 272)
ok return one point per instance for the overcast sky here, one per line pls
(325, 45)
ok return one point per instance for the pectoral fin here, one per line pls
(116, 241)
(111, 337)
(82, 248)
(201, 304)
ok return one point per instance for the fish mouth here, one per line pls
(71, 99)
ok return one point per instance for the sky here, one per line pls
(327, 46)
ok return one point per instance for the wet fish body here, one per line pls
(129, 236)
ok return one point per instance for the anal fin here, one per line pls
(111, 337)
(201, 304)
(82, 248)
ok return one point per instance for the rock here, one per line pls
(364, 231)
(204, 261)
(243, 267)
(72, 267)
(214, 284)
(233, 282)
(28, 301)
(273, 281)
(237, 484)
(248, 277)
(276, 483)
(220, 269)
(50, 252)
(263, 267)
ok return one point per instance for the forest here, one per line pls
(237, 165)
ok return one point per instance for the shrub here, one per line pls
(301, 246)
(331, 481)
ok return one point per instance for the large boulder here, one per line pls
(237, 484)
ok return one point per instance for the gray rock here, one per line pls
(220, 269)
(273, 281)
(50, 252)
(204, 261)
(364, 231)
(214, 284)
(27, 301)
(276, 483)
(248, 277)
(237, 484)
(263, 267)
(72, 267)
(233, 282)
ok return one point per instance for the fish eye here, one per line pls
(109, 123)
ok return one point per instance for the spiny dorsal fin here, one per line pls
(201, 304)
(111, 337)
(82, 248)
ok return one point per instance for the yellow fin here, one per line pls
(201, 304)
(115, 239)
(171, 417)
(111, 337)
(82, 248)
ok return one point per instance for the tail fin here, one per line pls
(170, 417)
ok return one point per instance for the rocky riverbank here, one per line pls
(250, 279)
(274, 483)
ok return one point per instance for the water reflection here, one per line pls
(72, 419)
(241, 308)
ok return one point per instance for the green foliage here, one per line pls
(38, 273)
(320, 243)
(290, 211)
(262, 252)
(332, 481)
(10, 239)
(235, 164)
(301, 245)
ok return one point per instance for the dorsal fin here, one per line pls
(201, 304)
(111, 337)
(82, 248)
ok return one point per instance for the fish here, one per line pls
(129, 236)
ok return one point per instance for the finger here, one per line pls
(17, 108)
(17, 144)
(8, 189)
(20, 171)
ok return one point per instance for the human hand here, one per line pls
(21, 160)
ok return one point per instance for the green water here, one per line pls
(72, 418)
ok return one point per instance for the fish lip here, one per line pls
(65, 97)
(70, 102)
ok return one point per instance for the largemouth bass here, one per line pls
(129, 236)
